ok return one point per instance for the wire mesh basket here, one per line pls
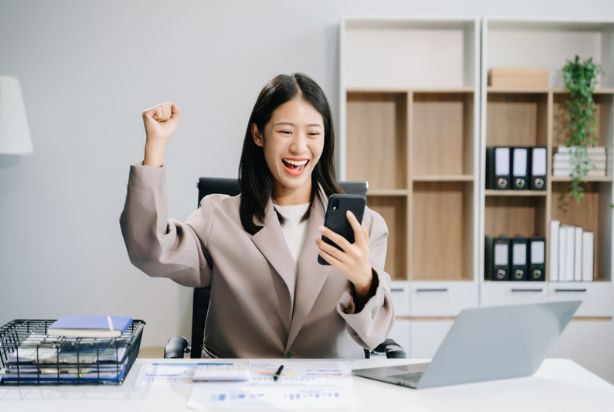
(28, 356)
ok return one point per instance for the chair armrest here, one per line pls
(392, 350)
(176, 347)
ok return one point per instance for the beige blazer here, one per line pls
(259, 307)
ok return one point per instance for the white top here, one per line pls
(294, 230)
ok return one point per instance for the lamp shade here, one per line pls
(14, 131)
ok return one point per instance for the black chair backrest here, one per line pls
(230, 186)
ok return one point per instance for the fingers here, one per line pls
(330, 250)
(336, 238)
(359, 231)
(175, 110)
(162, 112)
(331, 260)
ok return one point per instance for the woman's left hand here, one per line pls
(353, 258)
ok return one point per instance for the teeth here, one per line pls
(295, 163)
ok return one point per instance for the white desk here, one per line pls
(559, 385)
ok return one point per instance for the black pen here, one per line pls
(278, 372)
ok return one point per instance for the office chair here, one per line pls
(177, 346)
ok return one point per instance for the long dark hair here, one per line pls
(255, 180)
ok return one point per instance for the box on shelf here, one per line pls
(518, 77)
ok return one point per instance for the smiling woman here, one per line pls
(258, 251)
(292, 149)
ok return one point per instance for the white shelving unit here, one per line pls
(416, 118)
(410, 126)
(549, 44)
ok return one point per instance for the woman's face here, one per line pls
(293, 142)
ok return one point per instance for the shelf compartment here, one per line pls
(551, 44)
(391, 53)
(603, 122)
(443, 132)
(593, 214)
(394, 211)
(517, 119)
(515, 216)
(377, 139)
(442, 231)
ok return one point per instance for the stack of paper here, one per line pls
(48, 359)
(596, 161)
(571, 253)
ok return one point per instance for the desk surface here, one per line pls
(559, 385)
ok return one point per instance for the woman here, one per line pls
(258, 251)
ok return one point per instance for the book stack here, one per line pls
(595, 162)
(572, 253)
(90, 326)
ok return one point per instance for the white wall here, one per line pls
(87, 70)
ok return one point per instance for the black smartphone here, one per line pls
(336, 219)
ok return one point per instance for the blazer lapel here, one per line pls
(311, 275)
(272, 244)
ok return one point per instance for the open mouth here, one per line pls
(294, 166)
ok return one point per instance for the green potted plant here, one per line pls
(580, 78)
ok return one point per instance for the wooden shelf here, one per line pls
(443, 178)
(515, 193)
(492, 89)
(495, 90)
(606, 90)
(366, 89)
(451, 90)
(456, 90)
(586, 179)
(388, 192)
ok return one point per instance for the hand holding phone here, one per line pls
(345, 242)
(336, 217)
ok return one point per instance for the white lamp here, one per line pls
(14, 131)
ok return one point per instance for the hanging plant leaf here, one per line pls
(580, 79)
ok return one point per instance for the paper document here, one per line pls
(301, 385)
(336, 393)
(163, 374)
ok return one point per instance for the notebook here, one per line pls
(90, 326)
(489, 343)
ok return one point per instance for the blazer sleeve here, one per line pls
(371, 325)
(159, 246)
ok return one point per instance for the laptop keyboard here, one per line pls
(411, 377)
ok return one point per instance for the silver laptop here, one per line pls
(484, 344)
